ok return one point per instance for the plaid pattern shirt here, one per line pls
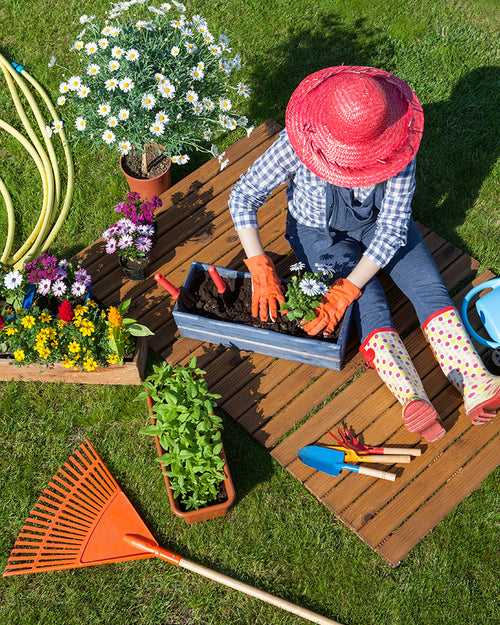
(307, 193)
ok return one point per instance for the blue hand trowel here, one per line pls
(331, 461)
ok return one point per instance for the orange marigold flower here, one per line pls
(114, 317)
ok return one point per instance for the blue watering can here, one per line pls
(488, 309)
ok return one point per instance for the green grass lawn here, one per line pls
(277, 536)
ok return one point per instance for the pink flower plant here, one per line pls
(132, 234)
(45, 277)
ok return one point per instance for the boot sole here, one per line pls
(485, 411)
(421, 417)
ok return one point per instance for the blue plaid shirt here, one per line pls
(307, 193)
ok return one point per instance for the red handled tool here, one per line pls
(168, 286)
(187, 297)
(350, 442)
(221, 286)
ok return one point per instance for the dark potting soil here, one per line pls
(157, 164)
(208, 303)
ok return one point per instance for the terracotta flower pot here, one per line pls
(147, 187)
(203, 514)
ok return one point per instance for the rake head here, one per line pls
(79, 520)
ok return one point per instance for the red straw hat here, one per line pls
(354, 126)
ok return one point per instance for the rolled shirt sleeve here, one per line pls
(276, 166)
(394, 216)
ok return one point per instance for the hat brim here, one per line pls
(353, 164)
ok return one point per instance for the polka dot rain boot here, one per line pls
(384, 351)
(462, 365)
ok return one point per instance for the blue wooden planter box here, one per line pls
(325, 354)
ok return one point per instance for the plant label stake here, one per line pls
(83, 518)
(221, 286)
(331, 462)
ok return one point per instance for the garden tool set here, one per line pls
(348, 441)
(332, 459)
(84, 518)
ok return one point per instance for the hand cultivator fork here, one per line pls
(350, 442)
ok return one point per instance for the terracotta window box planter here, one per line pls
(307, 350)
(131, 372)
(203, 514)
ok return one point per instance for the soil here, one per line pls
(203, 299)
(157, 164)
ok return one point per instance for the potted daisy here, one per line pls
(152, 84)
(132, 235)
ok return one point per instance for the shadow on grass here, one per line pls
(458, 151)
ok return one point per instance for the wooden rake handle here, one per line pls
(143, 544)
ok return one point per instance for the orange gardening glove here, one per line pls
(330, 311)
(267, 291)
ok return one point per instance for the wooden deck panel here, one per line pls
(285, 405)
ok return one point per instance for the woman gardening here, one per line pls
(348, 153)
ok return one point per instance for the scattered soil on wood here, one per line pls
(203, 299)
(157, 164)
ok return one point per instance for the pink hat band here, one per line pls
(354, 126)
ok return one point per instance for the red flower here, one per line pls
(66, 311)
(2, 322)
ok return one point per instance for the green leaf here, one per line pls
(136, 329)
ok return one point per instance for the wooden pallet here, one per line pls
(285, 405)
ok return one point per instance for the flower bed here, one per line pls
(62, 329)
(130, 372)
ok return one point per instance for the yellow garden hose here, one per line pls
(48, 223)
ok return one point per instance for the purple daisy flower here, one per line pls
(143, 244)
(146, 230)
(111, 246)
(83, 276)
(78, 289)
(59, 288)
(44, 286)
(126, 226)
(126, 240)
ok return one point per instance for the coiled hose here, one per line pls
(51, 216)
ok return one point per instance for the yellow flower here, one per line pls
(54, 344)
(19, 355)
(90, 364)
(113, 359)
(45, 318)
(28, 321)
(74, 347)
(44, 352)
(114, 316)
(10, 331)
(77, 321)
(87, 327)
(67, 362)
(79, 310)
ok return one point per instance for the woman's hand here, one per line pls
(328, 314)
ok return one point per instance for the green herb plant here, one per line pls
(189, 432)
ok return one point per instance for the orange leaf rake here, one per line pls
(83, 518)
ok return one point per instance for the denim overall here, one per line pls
(350, 229)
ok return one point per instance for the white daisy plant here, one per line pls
(304, 291)
(158, 73)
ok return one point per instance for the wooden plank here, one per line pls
(459, 486)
